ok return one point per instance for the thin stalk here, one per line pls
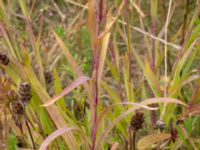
(154, 4)
(29, 130)
(5, 124)
(99, 7)
(129, 92)
(153, 31)
(130, 139)
(165, 48)
(6, 127)
(1, 135)
(133, 140)
(94, 126)
(184, 22)
(127, 18)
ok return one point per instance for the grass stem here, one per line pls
(29, 130)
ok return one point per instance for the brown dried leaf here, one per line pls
(148, 140)
(57, 133)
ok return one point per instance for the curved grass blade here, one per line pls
(59, 132)
(149, 140)
(68, 89)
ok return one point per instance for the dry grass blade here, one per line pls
(111, 21)
(103, 57)
(162, 100)
(56, 134)
(91, 20)
(136, 104)
(149, 140)
(138, 9)
(68, 89)
(36, 50)
(177, 47)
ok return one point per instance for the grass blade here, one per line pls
(72, 86)
(151, 139)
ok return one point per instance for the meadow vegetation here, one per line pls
(99, 74)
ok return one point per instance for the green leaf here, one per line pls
(23, 6)
(12, 142)
(58, 88)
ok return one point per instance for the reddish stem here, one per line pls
(95, 77)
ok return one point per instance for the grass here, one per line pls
(103, 74)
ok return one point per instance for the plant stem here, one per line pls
(130, 139)
(1, 135)
(6, 127)
(153, 52)
(184, 22)
(29, 130)
(133, 140)
(99, 8)
(94, 128)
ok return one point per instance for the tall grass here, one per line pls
(103, 74)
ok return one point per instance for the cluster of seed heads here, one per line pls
(23, 97)
(48, 76)
(137, 121)
(24, 92)
(17, 108)
(4, 58)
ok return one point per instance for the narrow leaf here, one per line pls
(55, 134)
(68, 89)
(148, 140)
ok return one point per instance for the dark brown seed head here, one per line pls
(17, 108)
(137, 121)
(24, 92)
(48, 76)
(174, 134)
(4, 58)
(25, 86)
